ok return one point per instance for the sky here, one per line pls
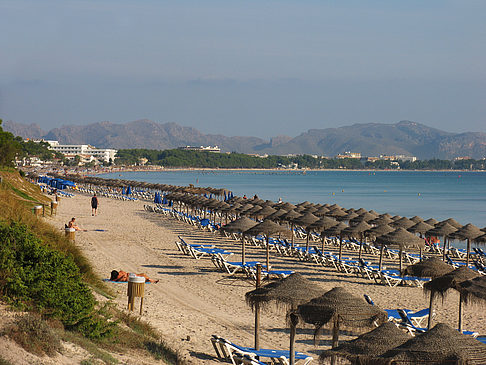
(254, 68)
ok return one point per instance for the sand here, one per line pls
(193, 300)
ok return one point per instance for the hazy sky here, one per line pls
(260, 68)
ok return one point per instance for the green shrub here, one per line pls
(34, 335)
(34, 276)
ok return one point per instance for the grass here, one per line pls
(33, 334)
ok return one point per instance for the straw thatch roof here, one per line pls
(441, 229)
(355, 230)
(379, 230)
(336, 213)
(291, 215)
(323, 223)
(431, 221)
(441, 284)
(339, 305)
(369, 345)
(242, 224)
(452, 222)
(267, 227)
(403, 222)
(381, 221)
(266, 211)
(431, 268)
(306, 220)
(287, 293)
(474, 289)
(335, 230)
(468, 232)
(441, 345)
(416, 219)
(402, 238)
(364, 217)
(420, 227)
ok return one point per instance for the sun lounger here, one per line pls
(231, 267)
(227, 350)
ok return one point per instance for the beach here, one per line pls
(193, 300)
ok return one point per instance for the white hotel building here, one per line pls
(85, 151)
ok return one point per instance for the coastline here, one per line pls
(193, 300)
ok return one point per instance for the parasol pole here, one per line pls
(431, 304)
(243, 248)
(468, 249)
(257, 308)
(460, 311)
(268, 252)
(381, 255)
(294, 320)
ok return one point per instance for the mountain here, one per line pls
(372, 139)
(24, 130)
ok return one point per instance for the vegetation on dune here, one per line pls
(43, 272)
(200, 159)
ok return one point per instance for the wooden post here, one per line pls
(431, 304)
(460, 312)
(293, 327)
(243, 249)
(268, 252)
(381, 256)
(257, 308)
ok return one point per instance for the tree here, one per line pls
(9, 147)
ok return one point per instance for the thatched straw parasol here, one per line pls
(356, 230)
(321, 225)
(321, 211)
(403, 222)
(443, 229)
(416, 219)
(402, 238)
(381, 221)
(474, 289)
(363, 217)
(340, 308)
(379, 230)
(286, 294)
(431, 221)
(336, 213)
(452, 222)
(241, 225)
(451, 280)
(420, 227)
(440, 345)
(336, 231)
(266, 211)
(289, 217)
(430, 268)
(468, 232)
(306, 221)
(368, 346)
(267, 227)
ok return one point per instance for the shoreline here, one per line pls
(193, 300)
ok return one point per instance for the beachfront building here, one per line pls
(398, 158)
(215, 149)
(86, 152)
(348, 154)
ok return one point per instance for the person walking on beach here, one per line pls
(94, 204)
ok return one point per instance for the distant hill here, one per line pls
(404, 138)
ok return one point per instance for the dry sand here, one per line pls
(193, 300)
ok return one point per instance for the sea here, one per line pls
(428, 194)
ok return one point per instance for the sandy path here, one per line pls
(193, 300)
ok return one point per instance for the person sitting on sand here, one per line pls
(123, 276)
(72, 224)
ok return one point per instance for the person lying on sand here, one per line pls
(123, 276)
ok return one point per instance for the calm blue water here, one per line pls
(441, 195)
